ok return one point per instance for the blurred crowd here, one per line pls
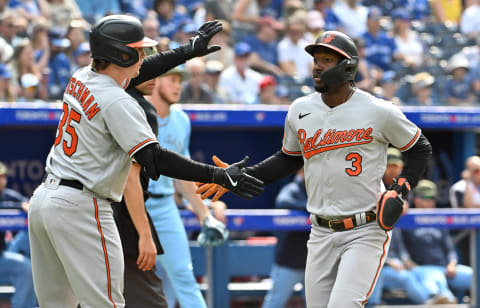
(413, 52)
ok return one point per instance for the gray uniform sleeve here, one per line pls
(128, 125)
(398, 130)
(290, 145)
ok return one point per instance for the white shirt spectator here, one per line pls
(412, 47)
(353, 21)
(289, 51)
(470, 21)
(239, 90)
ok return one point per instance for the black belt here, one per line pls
(158, 196)
(70, 183)
(346, 223)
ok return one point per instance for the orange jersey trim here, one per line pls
(139, 145)
(127, 82)
(411, 142)
(291, 152)
(379, 268)
(107, 264)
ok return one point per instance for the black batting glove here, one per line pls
(237, 181)
(401, 186)
(197, 46)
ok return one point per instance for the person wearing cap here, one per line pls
(213, 68)
(170, 20)
(81, 56)
(381, 49)
(422, 88)
(194, 90)
(268, 92)
(264, 46)
(30, 84)
(174, 266)
(15, 266)
(239, 82)
(407, 40)
(59, 64)
(460, 85)
(223, 39)
(388, 87)
(430, 252)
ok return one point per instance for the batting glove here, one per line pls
(207, 189)
(197, 46)
(390, 204)
(214, 232)
(237, 181)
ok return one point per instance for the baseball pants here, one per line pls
(76, 251)
(342, 267)
(176, 262)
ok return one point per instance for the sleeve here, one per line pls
(398, 130)
(126, 122)
(290, 144)
(188, 131)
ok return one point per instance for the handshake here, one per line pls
(231, 178)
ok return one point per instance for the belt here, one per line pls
(70, 183)
(158, 196)
(346, 223)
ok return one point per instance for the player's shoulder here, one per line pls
(177, 112)
(363, 97)
(301, 101)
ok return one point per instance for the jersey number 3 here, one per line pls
(67, 116)
(356, 168)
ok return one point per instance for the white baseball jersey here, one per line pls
(344, 149)
(101, 128)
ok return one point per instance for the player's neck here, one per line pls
(336, 97)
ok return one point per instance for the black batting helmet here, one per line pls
(113, 38)
(341, 43)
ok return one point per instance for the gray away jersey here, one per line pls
(101, 128)
(344, 149)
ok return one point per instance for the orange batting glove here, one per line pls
(207, 189)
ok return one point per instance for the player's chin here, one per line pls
(319, 85)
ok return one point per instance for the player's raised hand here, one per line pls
(197, 46)
(237, 181)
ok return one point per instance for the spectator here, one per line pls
(185, 32)
(30, 85)
(422, 88)
(169, 19)
(134, 7)
(93, 10)
(76, 34)
(459, 86)
(81, 56)
(213, 69)
(28, 9)
(292, 58)
(60, 12)
(381, 49)
(194, 90)
(6, 89)
(23, 63)
(352, 17)
(331, 21)
(7, 26)
(363, 78)
(433, 251)
(291, 249)
(315, 23)
(469, 22)
(15, 269)
(264, 46)
(59, 64)
(222, 39)
(417, 9)
(245, 16)
(447, 12)
(388, 87)
(40, 43)
(407, 40)
(268, 92)
(387, 6)
(239, 82)
(151, 27)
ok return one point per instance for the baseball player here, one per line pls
(75, 246)
(340, 135)
(175, 265)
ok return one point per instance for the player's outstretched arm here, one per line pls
(157, 160)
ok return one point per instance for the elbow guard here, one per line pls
(147, 157)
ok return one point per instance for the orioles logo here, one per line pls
(328, 38)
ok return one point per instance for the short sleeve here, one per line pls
(400, 131)
(128, 125)
(290, 145)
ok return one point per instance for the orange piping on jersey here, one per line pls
(127, 82)
(139, 145)
(411, 142)
(291, 152)
(333, 147)
(379, 268)
(105, 253)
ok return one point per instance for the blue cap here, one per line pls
(57, 38)
(242, 49)
(82, 48)
(189, 28)
(400, 13)
(374, 12)
(5, 72)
